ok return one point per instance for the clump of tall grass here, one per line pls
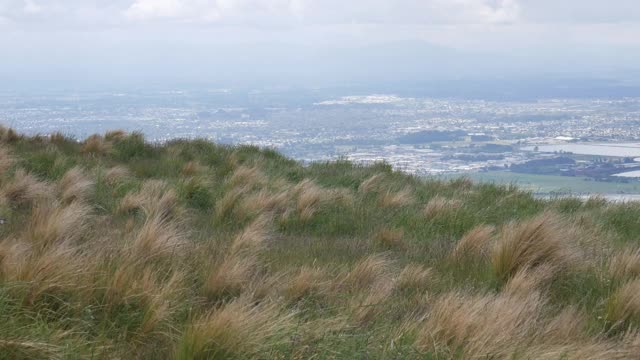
(193, 168)
(155, 198)
(34, 272)
(247, 177)
(115, 135)
(474, 243)
(252, 239)
(96, 145)
(439, 206)
(390, 199)
(53, 224)
(540, 240)
(265, 201)
(25, 189)
(480, 326)
(415, 277)
(239, 266)
(158, 237)
(366, 306)
(116, 174)
(239, 329)
(367, 271)
(75, 185)
(528, 280)
(392, 238)
(309, 198)
(623, 306)
(625, 263)
(371, 184)
(307, 281)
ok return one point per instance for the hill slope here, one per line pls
(117, 248)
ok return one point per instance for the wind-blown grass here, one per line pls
(114, 247)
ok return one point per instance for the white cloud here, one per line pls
(30, 7)
(313, 12)
(69, 13)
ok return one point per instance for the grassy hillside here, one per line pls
(117, 248)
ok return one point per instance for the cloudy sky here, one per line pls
(307, 40)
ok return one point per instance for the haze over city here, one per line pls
(67, 43)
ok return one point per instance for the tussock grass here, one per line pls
(25, 189)
(390, 238)
(155, 198)
(75, 185)
(113, 247)
(475, 243)
(440, 206)
(236, 330)
(541, 240)
(96, 145)
(391, 199)
(415, 277)
(623, 306)
(51, 224)
(307, 281)
(625, 263)
(116, 175)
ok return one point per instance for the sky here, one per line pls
(312, 42)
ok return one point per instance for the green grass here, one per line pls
(554, 183)
(205, 263)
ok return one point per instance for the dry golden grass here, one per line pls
(158, 237)
(366, 272)
(96, 145)
(439, 206)
(16, 348)
(230, 277)
(225, 207)
(75, 185)
(237, 329)
(623, 306)
(307, 281)
(25, 189)
(115, 135)
(475, 243)
(52, 224)
(528, 280)
(366, 307)
(40, 271)
(480, 326)
(568, 326)
(264, 201)
(155, 198)
(247, 178)
(390, 238)
(415, 277)
(193, 168)
(310, 197)
(390, 199)
(371, 184)
(252, 239)
(541, 240)
(625, 263)
(116, 175)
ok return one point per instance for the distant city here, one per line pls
(541, 143)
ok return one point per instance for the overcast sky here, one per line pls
(219, 40)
